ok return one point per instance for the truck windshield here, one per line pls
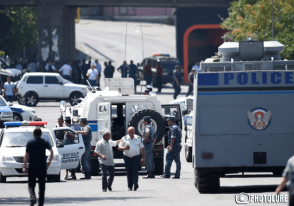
(169, 65)
(20, 139)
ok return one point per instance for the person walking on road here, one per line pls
(132, 145)
(173, 149)
(149, 139)
(104, 151)
(98, 68)
(132, 73)
(148, 73)
(93, 75)
(288, 177)
(9, 90)
(36, 157)
(124, 68)
(66, 71)
(112, 68)
(191, 81)
(86, 132)
(176, 81)
(159, 72)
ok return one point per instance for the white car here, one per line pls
(181, 101)
(37, 86)
(21, 113)
(13, 143)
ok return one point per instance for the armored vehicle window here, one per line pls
(35, 80)
(51, 80)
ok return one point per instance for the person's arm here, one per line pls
(50, 158)
(122, 146)
(25, 161)
(176, 80)
(190, 82)
(171, 144)
(82, 132)
(118, 141)
(4, 91)
(97, 79)
(70, 135)
(143, 155)
(88, 73)
(97, 151)
(281, 185)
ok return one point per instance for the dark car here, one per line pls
(168, 64)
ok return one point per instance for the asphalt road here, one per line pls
(105, 40)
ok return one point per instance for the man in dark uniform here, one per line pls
(84, 69)
(149, 139)
(191, 81)
(86, 132)
(176, 81)
(132, 73)
(174, 148)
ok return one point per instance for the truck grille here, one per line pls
(19, 159)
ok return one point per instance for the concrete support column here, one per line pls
(56, 38)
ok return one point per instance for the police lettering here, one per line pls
(255, 79)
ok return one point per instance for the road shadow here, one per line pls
(247, 189)
(250, 176)
(63, 200)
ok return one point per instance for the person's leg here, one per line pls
(42, 181)
(86, 161)
(175, 89)
(135, 166)
(104, 176)
(32, 174)
(189, 91)
(128, 169)
(111, 176)
(178, 162)
(159, 82)
(99, 76)
(168, 163)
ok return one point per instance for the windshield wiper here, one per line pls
(14, 146)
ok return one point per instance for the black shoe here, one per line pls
(175, 177)
(164, 176)
(129, 189)
(109, 188)
(152, 174)
(104, 190)
(87, 176)
(33, 201)
(72, 177)
(136, 186)
(148, 175)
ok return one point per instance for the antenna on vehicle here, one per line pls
(92, 89)
(126, 47)
(272, 20)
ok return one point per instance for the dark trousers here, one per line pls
(9, 98)
(67, 77)
(99, 76)
(291, 200)
(159, 83)
(132, 166)
(104, 169)
(190, 90)
(135, 82)
(177, 90)
(148, 79)
(39, 173)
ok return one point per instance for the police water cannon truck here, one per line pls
(243, 114)
(115, 109)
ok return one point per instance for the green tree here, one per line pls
(19, 28)
(249, 18)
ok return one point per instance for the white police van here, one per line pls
(13, 141)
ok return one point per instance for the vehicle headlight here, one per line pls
(7, 113)
(55, 158)
(8, 159)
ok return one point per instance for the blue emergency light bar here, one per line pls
(24, 123)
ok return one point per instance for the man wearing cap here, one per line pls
(173, 149)
(146, 92)
(92, 74)
(191, 81)
(149, 139)
(149, 87)
(176, 81)
(86, 132)
(104, 151)
(66, 71)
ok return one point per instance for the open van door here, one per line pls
(104, 118)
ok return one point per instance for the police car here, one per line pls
(13, 141)
(5, 111)
(21, 113)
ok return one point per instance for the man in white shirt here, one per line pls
(196, 67)
(98, 67)
(132, 145)
(66, 71)
(49, 67)
(104, 152)
(92, 74)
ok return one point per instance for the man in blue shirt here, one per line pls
(9, 90)
(124, 70)
(132, 73)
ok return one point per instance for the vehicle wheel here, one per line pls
(56, 178)
(95, 167)
(31, 99)
(188, 153)
(206, 182)
(17, 117)
(2, 178)
(74, 97)
(21, 101)
(158, 162)
(50, 178)
(157, 121)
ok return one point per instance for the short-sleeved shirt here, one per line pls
(33, 66)
(93, 73)
(105, 148)
(147, 69)
(135, 145)
(87, 138)
(37, 151)
(124, 70)
(175, 132)
(191, 77)
(152, 135)
(66, 69)
(289, 173)
(9, 88)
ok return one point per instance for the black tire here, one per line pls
(95, 167)
(50, 178)
(137, 122)
(17, 117)
(56, 178)
(2, 178)
(206, 182)
(21, 101)
(188, 154)
(31, 99)
(74, 97)
(159, 164)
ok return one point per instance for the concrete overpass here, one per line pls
(56, 25)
